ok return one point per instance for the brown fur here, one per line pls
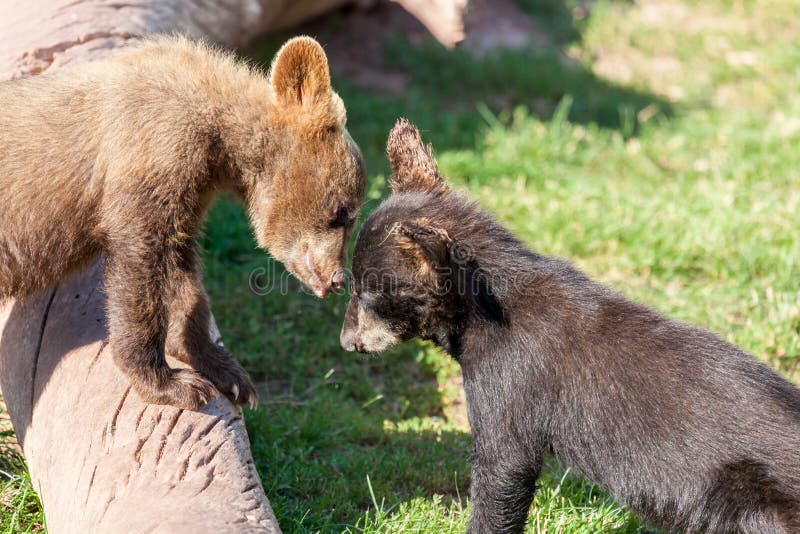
(124, 157)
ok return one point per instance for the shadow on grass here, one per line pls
(327, 419)
(330, 418)
(450, 94)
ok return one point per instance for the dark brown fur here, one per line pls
(688, 430)
(124, 157)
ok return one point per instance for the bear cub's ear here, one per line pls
(426, 249)
(299, 74)
(413, 166)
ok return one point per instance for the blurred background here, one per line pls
(654, 143)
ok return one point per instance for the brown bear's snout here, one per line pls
(338, 281)
(335, 284)
(319, 268)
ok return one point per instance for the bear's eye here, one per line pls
(340, 217)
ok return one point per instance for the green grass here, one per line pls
(20, 509)
(654, 144)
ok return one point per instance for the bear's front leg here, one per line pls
(188, 337)
(502, 485)
(136, 285)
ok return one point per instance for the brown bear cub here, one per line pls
(124, 157)
(686, 429)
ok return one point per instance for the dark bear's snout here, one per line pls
(349, 334)
(347, 339)
(364, 331)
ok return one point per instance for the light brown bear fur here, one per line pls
(124, 157)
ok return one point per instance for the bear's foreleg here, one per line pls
(188, 338)
(502, 486)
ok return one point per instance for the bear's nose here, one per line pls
(337, 281)
(347, 339)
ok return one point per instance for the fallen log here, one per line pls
(101, 459)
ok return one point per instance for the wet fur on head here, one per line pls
(686, 429)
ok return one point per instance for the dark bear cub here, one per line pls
(689, 431)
